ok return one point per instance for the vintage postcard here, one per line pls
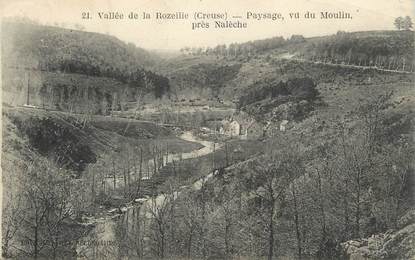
(207, 129)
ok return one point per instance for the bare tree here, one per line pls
(159, 211)
(48, 205)
(11, 222)
(275, 172)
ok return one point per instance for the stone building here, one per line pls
(230, 127)
(242, 125)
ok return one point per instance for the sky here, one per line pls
(172, 35)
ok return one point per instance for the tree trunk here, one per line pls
(113, 174)
(125, 182)
(226, 155)
(357, 228)
(227, 242)
(36, 237)
(93, 186)
(189, 244)
(128, 176)
(271, 232)
(346, 212)
(296, 222)
(322, 212)
(140, 172)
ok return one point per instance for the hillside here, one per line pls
(54, 48)
(277, 149)
(345, 173)
(45, 152)
(366, 47)
(232, 73)
(74, 141)
(63, 66)
(381, 48)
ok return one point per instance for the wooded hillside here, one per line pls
(59, 59)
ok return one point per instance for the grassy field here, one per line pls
(102, 135)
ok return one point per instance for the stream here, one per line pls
(101, 241)
(148, 166)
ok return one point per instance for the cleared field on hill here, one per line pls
(100, 135)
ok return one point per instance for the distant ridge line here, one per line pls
(349, 66)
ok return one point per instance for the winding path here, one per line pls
(103, 231)
(348, 65)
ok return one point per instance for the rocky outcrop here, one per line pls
(393, 244)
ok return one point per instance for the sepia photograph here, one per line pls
(205, 129)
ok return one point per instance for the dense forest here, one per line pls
(387, 49)
(246, 48)
(297, 88)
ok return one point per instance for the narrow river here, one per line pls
(101, 240)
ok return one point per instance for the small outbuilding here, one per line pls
(283, 125)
